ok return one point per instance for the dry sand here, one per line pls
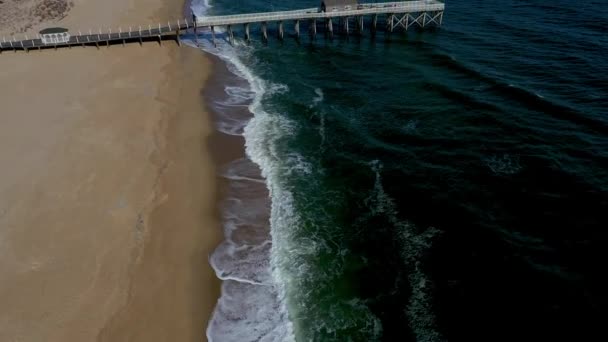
(107, 190)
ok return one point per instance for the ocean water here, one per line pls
(444, 184)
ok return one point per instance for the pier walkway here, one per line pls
(101, 38)
(394, 15)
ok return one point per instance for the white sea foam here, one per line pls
(261, 134)
(322, 128)
(410, 127)
(413, 244)
(319, 98)
(241, 169)
(200, 7)
(247, 312)
(238, 96)
(315, 102)
(503, 165)
(251, 306)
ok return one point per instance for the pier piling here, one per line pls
(213, 35)
(360, 25)
(374, 24)
(296, 27)
(281, 33)
(346, 29)
(230, 35)
(195, 29)
(265, 32)
(313, 29)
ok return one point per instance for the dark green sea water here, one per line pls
(445, 184)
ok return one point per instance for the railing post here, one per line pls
(159, 36)
(330, 28)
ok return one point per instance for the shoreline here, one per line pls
(250, 307)
(108, 209)
(225, 149)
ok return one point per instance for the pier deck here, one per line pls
(402, 14)
(100, 38)
(400, 7)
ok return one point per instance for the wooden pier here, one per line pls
(367, 16)
(104, 37)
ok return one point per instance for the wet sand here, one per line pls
(107, 187)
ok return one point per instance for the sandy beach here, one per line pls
(107, 185)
